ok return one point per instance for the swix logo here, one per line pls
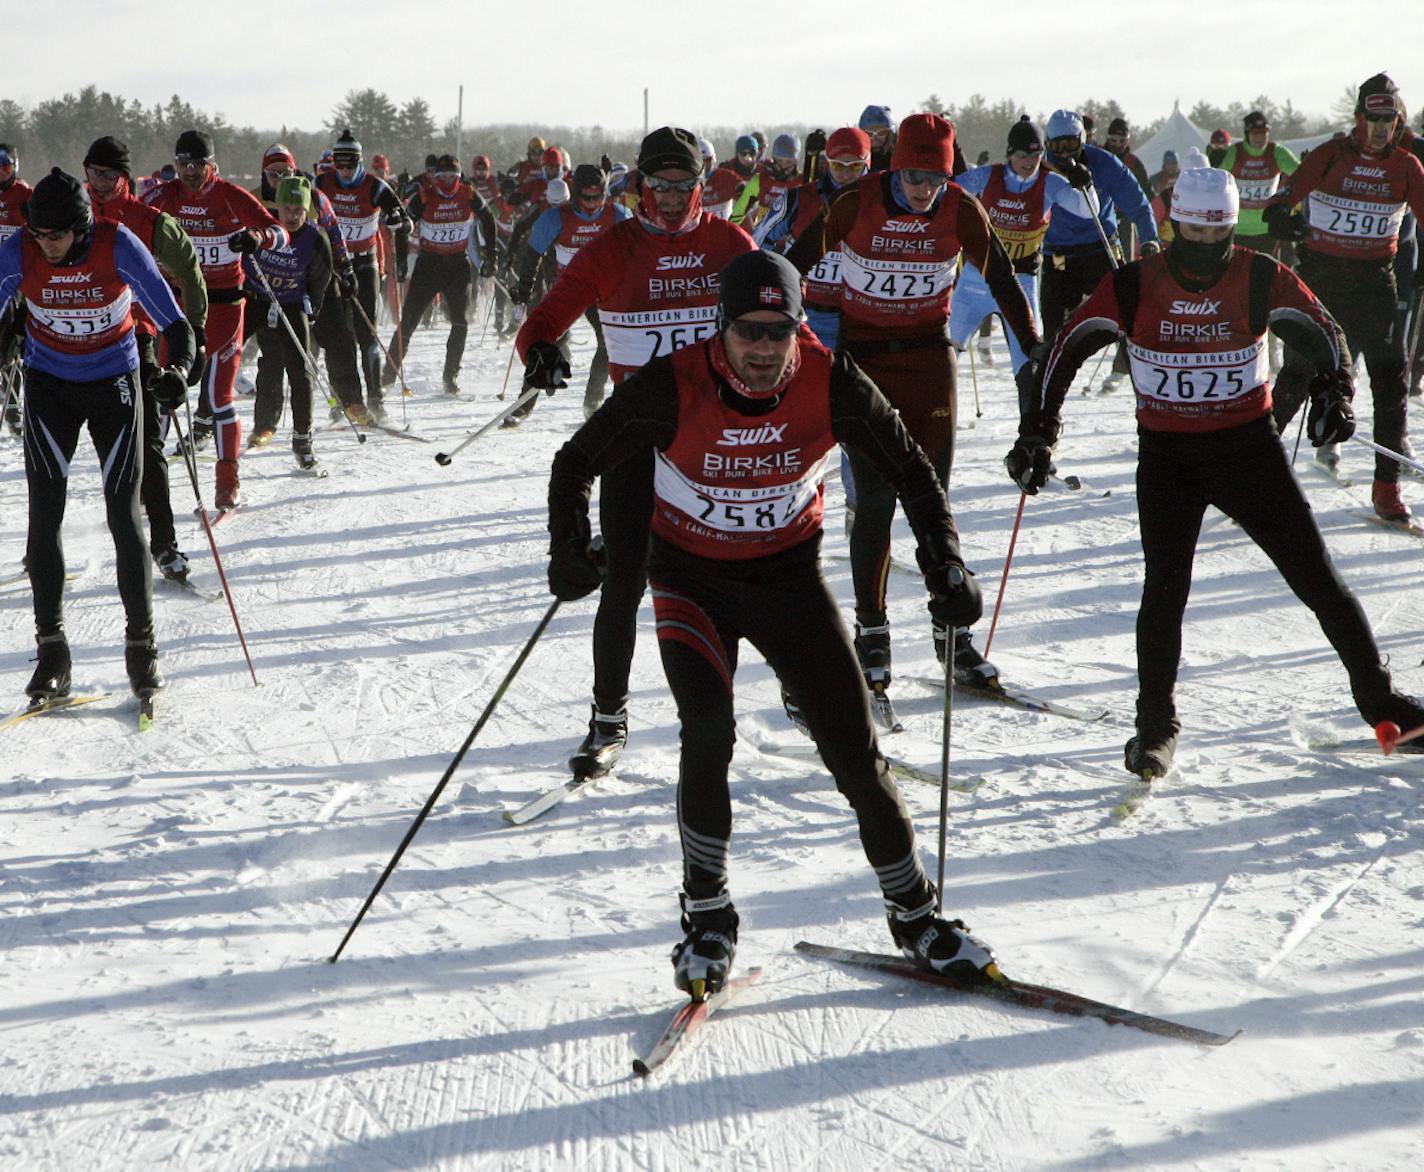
(693, 260)
(743, 437)
(910, 227)
(1005, 202)
(1195, 308)
(71, 278)
(185, 210)
(1369, 172)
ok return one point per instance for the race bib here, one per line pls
(357, 231)
(1257, 191)
(737, 510)
(827, 270)
(1337, 216)
(1213, 376)
(897, 280)
(80, 322)
(637, 337)
(456, 233)
(213, 252)
(1020, 244)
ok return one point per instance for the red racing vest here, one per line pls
(575, 232)
(1196, 365)
(733, 486)
(1257, 177)
(1355, 203)
(77, 309)
(138, 218)
(356, 209)
(897, 267)
(446, 221)
(210, 217)
(1019, 219)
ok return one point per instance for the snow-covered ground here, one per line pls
(170, 899)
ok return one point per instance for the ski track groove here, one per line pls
(1186, 939)
(1315, 915)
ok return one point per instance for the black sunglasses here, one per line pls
(755, 331)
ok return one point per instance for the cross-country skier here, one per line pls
(107, 170)
(79, 278)
(734, 556)
(772, 179)
(900, 234)
(224, 222)
(654, 281)
(562, 231)
(444, 212)
(362, 202)
(299, 273)
(1195, 319)
(1355, 190)
(1259, 166)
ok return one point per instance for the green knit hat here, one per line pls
(294, 189)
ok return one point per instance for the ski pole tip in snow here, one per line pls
(442, 458)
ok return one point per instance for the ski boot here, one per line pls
(388, 375)
(172, 563)
(13, 418)
(376, 407)
(359, 415)
(970, 668)
(1328, 457)
(52, 668)
(1404, 712)
(600, 750)
(939, 945)
(452, 387)
(1389, 505)
(703, 960)
(202, 433)
(872, 649)
(592, 401)
(302, 452)
(141, 662)
(985, 352)
(1149, 754)
(260, 438)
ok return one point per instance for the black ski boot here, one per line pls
(939, 945)
(1404, 712)
(1149, 754)
(702, 962)
(451, 385)
(600, 750)
(302, 452)
(141, 662)
(970, 668)
(872, 648)
(172, 563)
(52, 668)
(794, 713)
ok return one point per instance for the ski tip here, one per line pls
(1388, 734)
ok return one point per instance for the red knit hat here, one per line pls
(924, 142)
(277, 153)
(848, 143)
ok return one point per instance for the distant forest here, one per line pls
(58, 131)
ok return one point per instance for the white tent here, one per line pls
(1177, 134)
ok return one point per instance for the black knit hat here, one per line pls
(588, 175)
(1118, 126)
(108, 152)
(670, 148)
(193, 144)
(346, 145)
(759, 280)
(1025, 136)
(58, 203)
(1377, 94)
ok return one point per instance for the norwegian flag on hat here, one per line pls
(771, 295)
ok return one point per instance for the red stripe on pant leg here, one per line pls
(680, 620)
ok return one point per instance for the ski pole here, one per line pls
(12, 387)
(1389, 736)
(313, 371)
(444, 458)
(513, 349)
(190, 461)
(361, 309)
(974, 381)
(1004, 581)
(1390, 452)
(400, 349)
(947, 724)
(449, 773)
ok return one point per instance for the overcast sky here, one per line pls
(564, 63)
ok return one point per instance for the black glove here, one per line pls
(576, 567)
(346, 282)
(955, 600)
(200, 356)
(1076, 173)
(545, 367)
(1149, 248)
(170, 388)
(816, 142)
(1331, 419)
(393, 220)
(243, 242)
(1031, 454)
(605, 164)
(1283, 223)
